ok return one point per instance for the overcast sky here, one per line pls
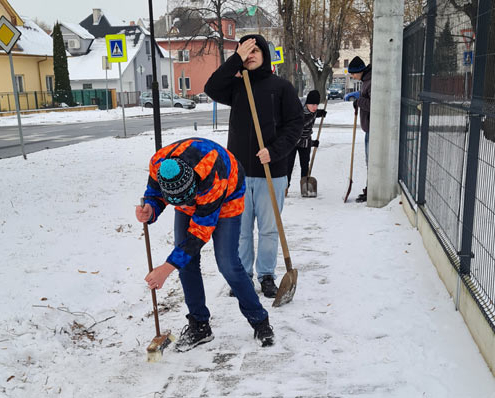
(75, 11)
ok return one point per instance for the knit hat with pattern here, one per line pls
(177, 181)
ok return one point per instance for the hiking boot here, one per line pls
(263, 333)
(268, 286)
(231, 292)
(363, 197)
(194, 334)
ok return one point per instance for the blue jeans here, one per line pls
(258, 205)
(225, 243)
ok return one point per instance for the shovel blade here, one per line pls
(308, 187)
(287, 289)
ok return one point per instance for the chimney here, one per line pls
(96, 16)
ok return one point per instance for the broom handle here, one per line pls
(283, 240)
(150, 267)
(317, 138)
(353, 142)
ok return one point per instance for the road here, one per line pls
(37, 138)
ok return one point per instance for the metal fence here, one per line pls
(31, 100)
(447, 135)
(129, 98)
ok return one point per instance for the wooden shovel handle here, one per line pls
(317, 138)
(150, 267)
(353, 143)
(280, 228)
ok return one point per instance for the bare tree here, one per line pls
(319, 30)
(43, 25)
(199, 19)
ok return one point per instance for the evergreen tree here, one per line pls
(445, 53)
(63, 91)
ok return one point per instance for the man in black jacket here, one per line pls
(281, 120)
(359, 71)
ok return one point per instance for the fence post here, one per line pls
(475, 114)
(425, 121)
(36, 106)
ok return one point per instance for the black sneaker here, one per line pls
(268, 286)
(363, 197)
(194, 334)
(263, 333)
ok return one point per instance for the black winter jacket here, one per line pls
(364, 100)
(279, 112)
(309, 121)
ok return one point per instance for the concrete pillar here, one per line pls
(385, 102)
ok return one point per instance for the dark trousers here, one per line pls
(304, 155)
(226, 246)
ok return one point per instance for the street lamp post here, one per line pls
(154, 83)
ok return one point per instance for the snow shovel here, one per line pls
(160, 341)
(309, 184)
(287, 287)
(352, 154)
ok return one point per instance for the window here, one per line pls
(230, 30)
(188, 83)
(346, 63)
(164, 81)
(149, 79)
(19, 80)
(183, 55)
(336, 65)
(148, 47)
(356, 43)
(87, 86)
(49, 83)
(66, 44)
(346, 44)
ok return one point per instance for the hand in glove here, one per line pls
(352, 96)
(355, 105)
(315, 143)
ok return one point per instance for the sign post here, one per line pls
(9, 35)
(107, 66)
(117, 52)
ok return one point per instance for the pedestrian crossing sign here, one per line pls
(116, 48)
(278, 56)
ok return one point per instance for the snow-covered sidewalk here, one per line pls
(370, 317)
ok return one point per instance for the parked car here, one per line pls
(146, 100)
(203, 97)
(336, 90)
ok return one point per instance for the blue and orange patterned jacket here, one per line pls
(220, 193)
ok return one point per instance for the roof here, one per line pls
(251, 17)
(89, 66)
(78, 30)
(13, 17)
(113, 20)
(33, 40)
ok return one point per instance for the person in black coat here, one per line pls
(303, 146)
(359, 71)
(281, 119)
